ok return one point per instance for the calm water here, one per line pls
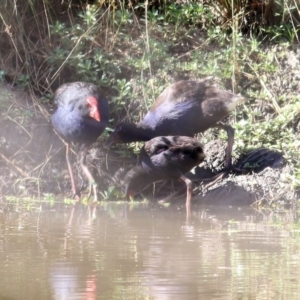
(147, 252)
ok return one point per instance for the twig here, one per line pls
(275, 104)
(291, 17)
(234, 33)
(21, 172)
(73, 49)
(8, 31)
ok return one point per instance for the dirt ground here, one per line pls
(32, 162)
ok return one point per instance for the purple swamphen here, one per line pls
(184, 108)
(81, 116)
(163, 158)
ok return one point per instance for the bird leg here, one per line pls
(230, 133)
(75, 192)
(86, 171)
(188, 183)
(228, 159)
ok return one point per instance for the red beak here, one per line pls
(94, 112)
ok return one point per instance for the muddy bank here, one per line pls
(32, 162)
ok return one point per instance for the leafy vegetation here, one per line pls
(132, 50)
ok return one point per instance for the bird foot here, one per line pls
(208, 182)
(223, 174)
(236, 170)
(76, 196)
(93, 188)
(168, 198)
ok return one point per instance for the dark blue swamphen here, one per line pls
(81, 116)
(184, 108)
(164, 158)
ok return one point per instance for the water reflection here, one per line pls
(148, 251)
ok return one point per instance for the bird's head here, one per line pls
(123, 133)
(87, 107)
(135, 179)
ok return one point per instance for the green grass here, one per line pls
(134, 52)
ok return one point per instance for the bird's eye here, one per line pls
(199, 149)
(161, 148)
(186, 152)
(80, 107)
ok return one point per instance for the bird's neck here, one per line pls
(142, 133)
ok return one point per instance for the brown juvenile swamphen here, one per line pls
(163, 158)
(184, 108)
(81, 116)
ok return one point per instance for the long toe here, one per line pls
(239, 170)
(208, 182)
(93, 190)
(76, 196)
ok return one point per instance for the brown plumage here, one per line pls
(164, 158)
(184, 108)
